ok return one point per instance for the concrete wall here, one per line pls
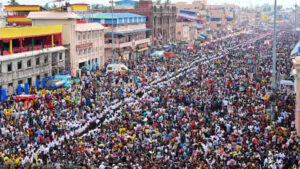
(96, 51)
(2, 22)
(66, 27)
(10, 79)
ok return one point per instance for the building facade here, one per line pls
(125, 4)
(17, 14)
(161, 19)
(84, 41)
(186, 31)
(196, 12)
(131, 37)
(28, 54)
(164, 24)
(87, 47)
(296, 62)
(222, 17)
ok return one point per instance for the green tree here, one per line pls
(266, 8)
(13, 2)
(46, 6)
(95, 7)
(136, 5)
(279, 7)
(54, 6)
(168, 2)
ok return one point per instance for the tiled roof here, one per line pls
(115, 15)
(89, 27)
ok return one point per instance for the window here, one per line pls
(78, 37)
(46, 59)
(60, 56)
(46, 75)
(37, 61)
(29, 63)
(29, 81)
(96, 60)
(38, 77)
(218, 25)
(19, 65)
(10, 85)
(20, 81)
(83, 36)
(89, 36)
(9, 67)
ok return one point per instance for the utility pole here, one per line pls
(274, 64)
(112, 29)
(296, 7)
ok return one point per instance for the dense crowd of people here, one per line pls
(204, 109)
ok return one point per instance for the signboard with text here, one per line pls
(84, 46)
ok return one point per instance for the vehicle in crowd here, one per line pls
(59, 81)
(24, 97)
(117, 68)
(170, 55)
(158, 54)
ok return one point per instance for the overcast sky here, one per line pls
(285, 3)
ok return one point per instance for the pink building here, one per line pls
(186, 31)
(222, 17)
(297, 78)
(88, 46)
(84, 41)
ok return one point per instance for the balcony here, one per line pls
(131, 44)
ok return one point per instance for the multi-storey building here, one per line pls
(164, 23)
(17, 14)
(161, 19)
(84, 41)
(222, 17)
(196, 12)
(28, 54)
(131, 37)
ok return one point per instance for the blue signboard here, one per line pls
(37, 84)
(3, 94)
(44, 82)
(19, 90)
(26, 88)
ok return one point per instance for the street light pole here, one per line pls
(112, 30)
(274, 62)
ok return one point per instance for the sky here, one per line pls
(253, 3)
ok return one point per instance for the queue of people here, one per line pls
(206, 109)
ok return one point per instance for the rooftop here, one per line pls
(22, 8)
(53, 15)
(89, 27)
(115, 15)
(30, 53)
(17, 32)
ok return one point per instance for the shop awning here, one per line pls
(127, 32)
(215, 19)
(229, 18)
(203, 36)
(296, 49)
(143, 49)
